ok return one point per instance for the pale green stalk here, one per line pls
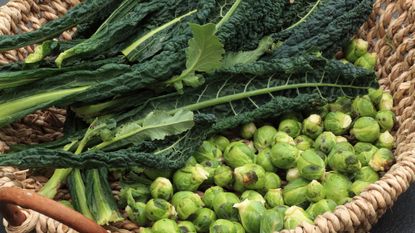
(151, 33)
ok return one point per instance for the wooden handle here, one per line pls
(12, 197)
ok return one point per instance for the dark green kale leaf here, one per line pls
(327, 29)
(83, 12)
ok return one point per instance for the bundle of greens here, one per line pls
(146, 82)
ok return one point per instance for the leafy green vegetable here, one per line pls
(83, 12)
(327, 28)
(16, 78)
(148, 35)
(57, 91)
(155, 126)
(41, 51)
(245, 57)
(100, 199)
(78, 194)
(115, 29)
(247, 22)
(232, 101)
(204, 54)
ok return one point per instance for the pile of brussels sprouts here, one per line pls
(271, 178)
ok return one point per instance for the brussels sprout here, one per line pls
(312, 126)
(337, 187)
(248, 130)
(364, 152)
(344, 162)
(291, 127)
(220, 141)
(367, 174)
(342, 146)
(294, 193)
(325, 142)
(366, 129)
(363, 107)
(342, 104)
(386, 102)
(186, 203)
(337, 122)
(165, 226)
(292, 174)
(250, 144)
(157, 209)
(210, 167)
(303, 142)
(208, 151)
(251, 176)
(320, 207)
(264, 137)
(367, 61)
(274, 198)
(375, 95)
(210, 195)
(250, 214)
(272, 181)
(359, 186)
(153, 173)
(252, 196)
(238, 227)
(136, 213)
(310, 165)
(322, 155)
(191, 161)
(202, 219)
(223, 176)
(381, 160)
(222, 226)
(362, 146)
(340, 139)
(386, 119)
(284, 155)
(284, 138)
(134, 193)
(238, 187)
(186, 227)
(355, 49)
(237, 154)
(263, 159)
(295, 216)
(145, 230)
(315, 191)
(190, 178)
(385, 140)
(271, 221)
(161, 188)
(223, 205)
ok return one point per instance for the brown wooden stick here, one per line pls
(11, 197)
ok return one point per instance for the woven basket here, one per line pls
(390, 31)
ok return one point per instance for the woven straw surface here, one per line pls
(390, 31)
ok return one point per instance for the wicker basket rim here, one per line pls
(390, 30)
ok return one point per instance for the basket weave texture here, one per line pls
(390, 31)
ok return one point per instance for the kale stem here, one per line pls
(228, 14)
(50, 189)
(230, 98)
(305, 16)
